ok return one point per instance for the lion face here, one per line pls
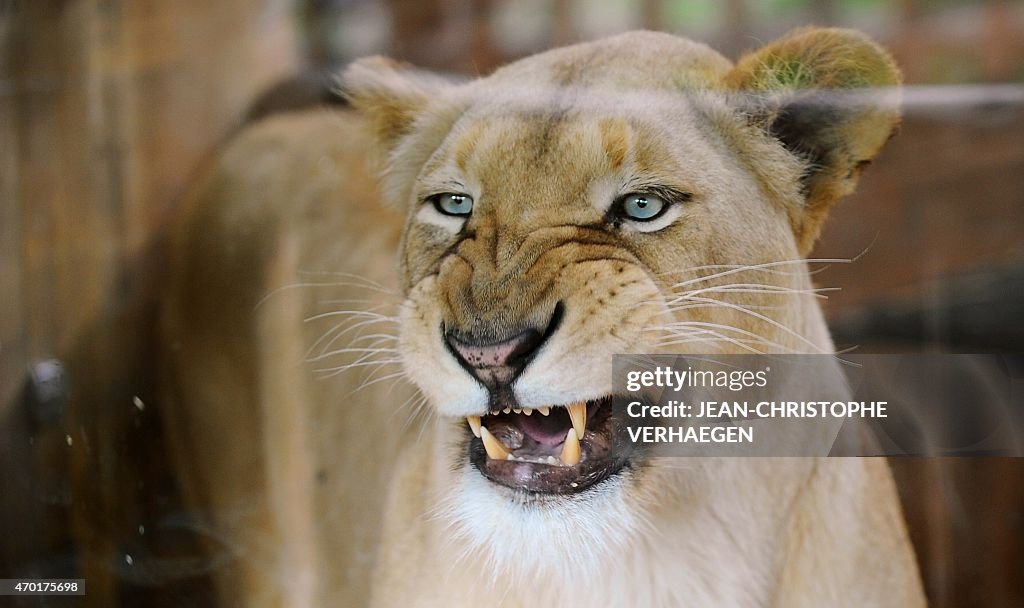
(613, 197)
(543, 239)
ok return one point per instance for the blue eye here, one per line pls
(642, 207)
(453, 204)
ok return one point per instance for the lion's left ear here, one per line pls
(390, 95)
(829, 96)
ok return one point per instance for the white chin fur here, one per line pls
(564, 538)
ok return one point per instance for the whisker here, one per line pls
(391, 388)
(351, 313)
(765, 265)
(676, 334)
(757, 288)
(341, 351)
(713, 338)
(416, 401)
(348, 275)
(691, 305)
(377, 336)
(335, 301)
(293, 286)
(428, 415)
(773, 323)
(719, 326)
(376, 343)
(339, 335)
(340, 330)
(762, 317)
(334, 371)
(369, 382)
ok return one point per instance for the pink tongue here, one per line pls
(546, 430)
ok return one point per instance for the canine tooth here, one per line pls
(544, 410)
(474, 424)
(495, 450)
(528, 411)
(570, 449)
(578, 414)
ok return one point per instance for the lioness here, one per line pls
(438, 436)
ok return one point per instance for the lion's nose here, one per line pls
(497, 363)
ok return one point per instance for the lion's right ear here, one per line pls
(827, 96)
(390, 95)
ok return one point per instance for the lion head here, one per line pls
(640, 193)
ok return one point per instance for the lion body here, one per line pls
(326, 478)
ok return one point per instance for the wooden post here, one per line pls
(107, 109)
(736, 27)
(823, 12)
(418, 32)
(652, 14)
(564, 28)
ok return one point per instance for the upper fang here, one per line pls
(578, 415)
(474, 424)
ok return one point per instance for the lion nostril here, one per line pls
(500, 362)
(515, 352)
(519, 348)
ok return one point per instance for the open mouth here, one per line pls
(549, 450)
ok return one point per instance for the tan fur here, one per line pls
(319, 494)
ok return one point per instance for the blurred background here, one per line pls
(109, 107)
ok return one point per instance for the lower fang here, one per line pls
(570, 449)
(495, 450)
